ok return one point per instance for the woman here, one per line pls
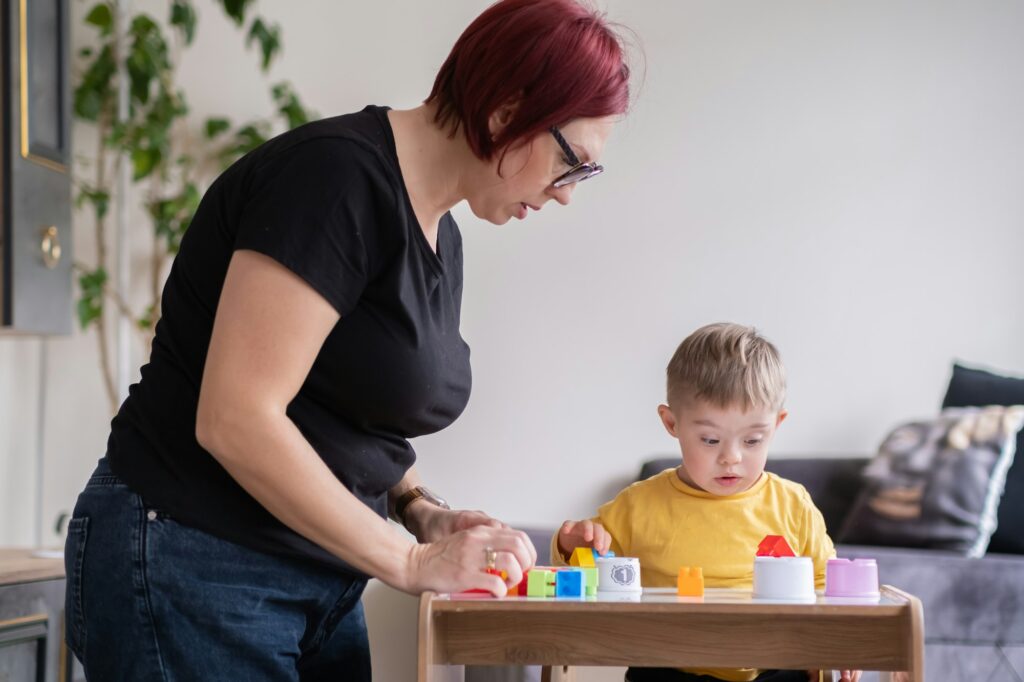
(310, 328)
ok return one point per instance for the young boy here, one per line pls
(726, 387)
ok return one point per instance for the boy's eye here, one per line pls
(754, 441)
(710, 441)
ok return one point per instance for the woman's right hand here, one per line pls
(586, 533)
(458, 562)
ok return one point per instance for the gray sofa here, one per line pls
(973, 608)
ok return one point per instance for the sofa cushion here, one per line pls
(977, 387)
(937, 483)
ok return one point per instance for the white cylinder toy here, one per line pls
(618, 574)
(788, 577)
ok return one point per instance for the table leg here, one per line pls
(915, 638)
(430, 660)
(557, 673)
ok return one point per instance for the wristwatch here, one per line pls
(413, 494)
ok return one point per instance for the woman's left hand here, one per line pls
(430, 523)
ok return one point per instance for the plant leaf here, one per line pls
(269, 38)
(147, 56)
(144, 160)
(96, 90)
(236, 9)
(102, 18)
(289, 106)
(99, 199)
(90, 305)
(183, 16)
(216, 126)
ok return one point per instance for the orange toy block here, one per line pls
(582, 557)
(774, 545)
(690, 582)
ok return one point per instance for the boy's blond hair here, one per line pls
(727, 364)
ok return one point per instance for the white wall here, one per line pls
(844, 175)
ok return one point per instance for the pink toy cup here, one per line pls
(857, 578)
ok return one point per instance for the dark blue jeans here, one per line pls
(151, 599)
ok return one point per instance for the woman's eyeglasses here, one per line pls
(579, 170)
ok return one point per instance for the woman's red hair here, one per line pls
(556, 59)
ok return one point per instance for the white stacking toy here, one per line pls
(618, 574)
(785, 577)
(779, 574)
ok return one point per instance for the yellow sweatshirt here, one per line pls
(668, 524)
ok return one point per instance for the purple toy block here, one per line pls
(857, 578)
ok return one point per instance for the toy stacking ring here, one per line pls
(490, 557)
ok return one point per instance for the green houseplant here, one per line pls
(141, 55)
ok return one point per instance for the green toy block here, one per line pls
(537, 583)
(590, 575)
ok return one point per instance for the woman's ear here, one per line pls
(501, 117)
(668, 420)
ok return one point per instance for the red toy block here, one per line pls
(492, 571)
(519, 590)
(774, 545)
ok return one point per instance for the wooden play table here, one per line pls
(727, 628)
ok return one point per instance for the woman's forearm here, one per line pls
(266, 453)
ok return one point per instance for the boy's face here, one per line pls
(724, 449)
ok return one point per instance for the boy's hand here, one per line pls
(846, 675)
(575, 534)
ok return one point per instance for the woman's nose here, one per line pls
(562, 195)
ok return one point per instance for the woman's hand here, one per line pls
(575, 534)
(430, 523)
(458, 561)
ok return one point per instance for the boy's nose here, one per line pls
(730, 455)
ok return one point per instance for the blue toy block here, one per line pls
(570, 583)
(606, 555)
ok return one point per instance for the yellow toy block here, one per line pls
(582, 557)
(691, 582)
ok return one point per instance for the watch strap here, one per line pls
(404, 500)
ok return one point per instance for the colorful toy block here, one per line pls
(690, 582)
(570, 583)
(775, 546)
(493, 571)
(857, 578)
(582, 556)
(590, 574)
(540, 583)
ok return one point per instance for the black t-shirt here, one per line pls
(327, 201)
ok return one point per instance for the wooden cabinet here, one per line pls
(32, 619)
(35, 174)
